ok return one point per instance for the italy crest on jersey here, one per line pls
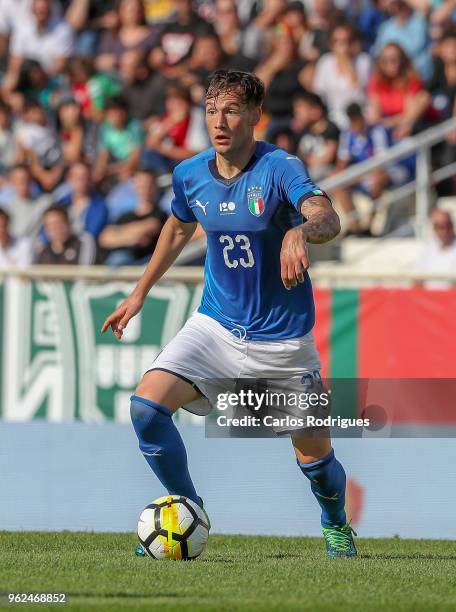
(255, 200)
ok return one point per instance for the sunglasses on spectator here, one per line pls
(444, 226)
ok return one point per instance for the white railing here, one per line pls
(188, 274)
(195, 274)
(420, 144)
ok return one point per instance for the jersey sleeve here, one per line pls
(293, 183)
(179, 205)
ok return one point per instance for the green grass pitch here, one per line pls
(100, 572)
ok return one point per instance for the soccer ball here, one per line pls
(173, 527)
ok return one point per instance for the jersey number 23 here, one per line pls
(244, 243)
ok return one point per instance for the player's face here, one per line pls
(230, 122)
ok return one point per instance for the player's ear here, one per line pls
(256, 115)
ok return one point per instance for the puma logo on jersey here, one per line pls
(202, 206)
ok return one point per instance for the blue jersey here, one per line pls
(245, 219)
(355, 147)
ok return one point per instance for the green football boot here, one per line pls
(339, 541)
(139, 551)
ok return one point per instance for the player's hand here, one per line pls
(118, 320)
(294, 259)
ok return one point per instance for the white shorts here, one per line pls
(212, 357)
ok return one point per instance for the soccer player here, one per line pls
(257, 312)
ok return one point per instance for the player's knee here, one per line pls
(148, 420)
(162, 388)
(310, 449)
(140, 409)
(146, 388)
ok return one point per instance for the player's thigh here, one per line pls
(312, 447)
(166, 389)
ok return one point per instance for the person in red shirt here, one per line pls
(396, 97)
(176, 135)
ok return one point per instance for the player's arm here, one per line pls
(174, 236)
(321, 222)
(321, 225)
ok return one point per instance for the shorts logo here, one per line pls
(255, 200)
(227, 208)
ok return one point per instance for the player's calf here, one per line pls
(327, 478)
(162, 445)
(327, 481)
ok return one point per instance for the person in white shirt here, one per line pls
(14, 252)
(341, 76)
(13, 13)
(24, 210)
(439, 255)
(43, 37)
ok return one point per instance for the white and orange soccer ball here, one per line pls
(173, 527)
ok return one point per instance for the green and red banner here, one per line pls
(397, 345)
(54, 363)
(386, 333)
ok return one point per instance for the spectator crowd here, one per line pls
(100, 99)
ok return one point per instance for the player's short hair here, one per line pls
(249, 87)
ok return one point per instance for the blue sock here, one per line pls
(162, 446)
(327, 477)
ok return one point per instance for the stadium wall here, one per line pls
(92, 477)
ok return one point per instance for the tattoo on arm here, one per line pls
(322, 222)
